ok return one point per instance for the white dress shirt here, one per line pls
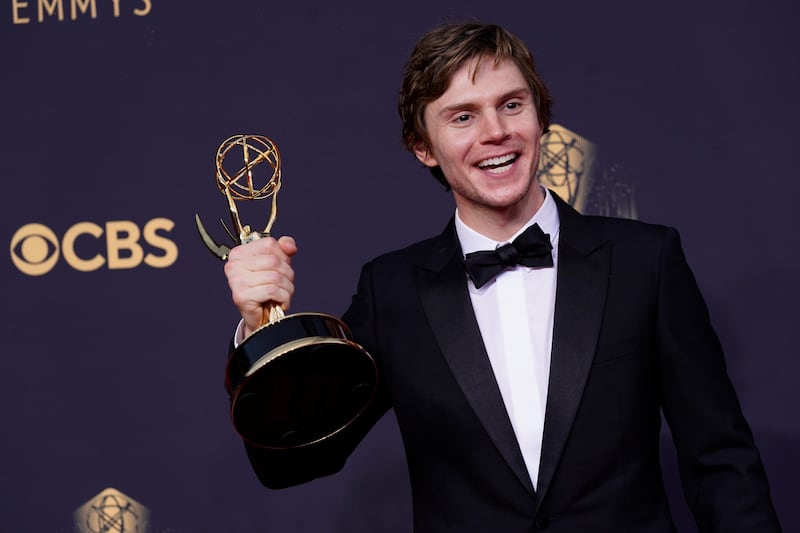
(515, 316)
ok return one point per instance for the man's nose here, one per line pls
(495, 128)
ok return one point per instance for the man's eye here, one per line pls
(463, 118)
(512, 105)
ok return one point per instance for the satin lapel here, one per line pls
(583, 271)
(442, 286)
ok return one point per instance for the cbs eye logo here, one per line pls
(86, 246)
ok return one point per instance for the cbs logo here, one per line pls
(86, 246)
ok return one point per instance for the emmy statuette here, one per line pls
(298, 379)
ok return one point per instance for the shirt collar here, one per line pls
(546, 217)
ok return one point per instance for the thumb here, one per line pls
(287, 245)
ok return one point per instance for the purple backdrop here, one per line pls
(113, 355)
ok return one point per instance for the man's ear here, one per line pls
(424, 155)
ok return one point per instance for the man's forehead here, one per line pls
(479, 69)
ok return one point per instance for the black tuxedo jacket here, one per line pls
(632, 339)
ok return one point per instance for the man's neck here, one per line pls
(500, 224)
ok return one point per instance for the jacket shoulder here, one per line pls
(432, 251)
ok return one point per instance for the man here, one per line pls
(529, 396)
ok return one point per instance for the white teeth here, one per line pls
(496, 170)
(497, 161)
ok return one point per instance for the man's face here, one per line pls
(484, 134)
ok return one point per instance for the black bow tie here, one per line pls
(531, 249)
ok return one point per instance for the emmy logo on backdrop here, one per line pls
(299, 379)
(111, 511)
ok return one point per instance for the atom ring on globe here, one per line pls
(299, 379)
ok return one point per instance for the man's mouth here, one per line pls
(497, 165)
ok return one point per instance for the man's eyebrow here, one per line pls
(514, 93)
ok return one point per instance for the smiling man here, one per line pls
(528, 351)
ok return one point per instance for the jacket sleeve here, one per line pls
(723, 478)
